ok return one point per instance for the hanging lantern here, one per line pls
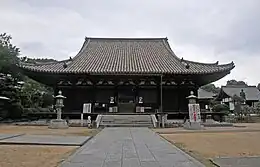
(140, 100)
(112, 100)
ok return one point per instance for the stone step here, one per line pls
(126, 121)
(126, 125)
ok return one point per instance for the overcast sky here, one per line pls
(198, 30)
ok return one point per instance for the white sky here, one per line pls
(201, 30)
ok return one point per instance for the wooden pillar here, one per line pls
(158, 86)
(161, 94)
(179, 98)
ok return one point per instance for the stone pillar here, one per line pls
(194, 113)
(58, 113)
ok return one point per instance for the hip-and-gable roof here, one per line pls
(128, 56)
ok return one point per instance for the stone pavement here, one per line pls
(237, 161)
(46, 140)
(7, 136)
(129, 147)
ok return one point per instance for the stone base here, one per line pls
(210, 121)
(58, 124)
(192, 125)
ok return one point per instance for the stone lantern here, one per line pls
(192, 98)
(59, 123)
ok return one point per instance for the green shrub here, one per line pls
(15, 111)
(220, 108)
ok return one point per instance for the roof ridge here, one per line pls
(217, 63)
(83, 47)
(41, 64)
(195, 62)
(169, 49)
(126, 38)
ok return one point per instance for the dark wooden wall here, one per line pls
(174, 99)
(97, 89)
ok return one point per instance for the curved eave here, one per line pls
(195, 68)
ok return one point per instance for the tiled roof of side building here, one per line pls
(251, 92)
(128, 56)
(203, 94)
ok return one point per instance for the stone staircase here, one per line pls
(126, 121)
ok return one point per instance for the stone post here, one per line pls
(89, 122)
(194, 113)
(58, 113)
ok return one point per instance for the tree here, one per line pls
(29, 95)
(8, 56)
(220, 108)
(35, 94)
(257, 108)
(10, 88)
(234, 82)
(211, 88)
(258, 86)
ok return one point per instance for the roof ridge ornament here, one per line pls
(65, 65)
(187, 66)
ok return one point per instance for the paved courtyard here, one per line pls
(7, 136)
(129, 147)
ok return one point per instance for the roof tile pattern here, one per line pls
(203, 94)
(128, 56)
(251, 92)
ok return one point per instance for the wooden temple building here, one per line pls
(128, 75)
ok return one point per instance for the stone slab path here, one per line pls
(46, 140)
(129, 147)
(237, 161)
(7, 136)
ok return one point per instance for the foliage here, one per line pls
(37, 60)
(35, 94)
(9, 87)
(234, 82)
(220, 108)
(246, 109)
(258, 86)
(26, 94)
(257, 108)
(237, 98)
(8, 56)
(211, 88)
(213, 102)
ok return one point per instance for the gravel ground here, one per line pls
(209, 145)
(44, 130)
(33, 156)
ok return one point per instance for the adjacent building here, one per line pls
(252, 94)
(204, 98)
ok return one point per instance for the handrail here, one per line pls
(154, 120)
(97, 121)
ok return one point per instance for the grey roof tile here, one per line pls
(252, 93)
(203, 94)
(128, 56)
